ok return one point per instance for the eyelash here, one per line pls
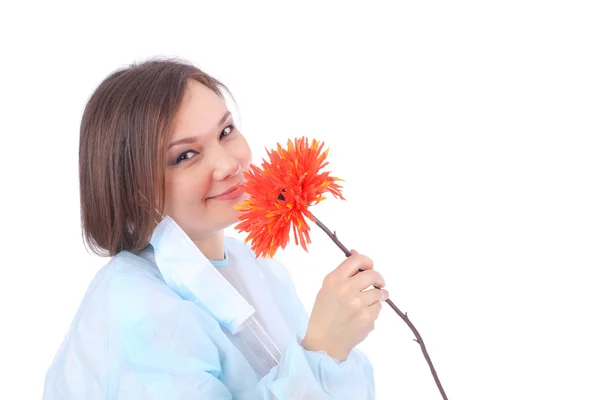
(182, 158)
(231, 127)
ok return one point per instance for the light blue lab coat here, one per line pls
(165, 323)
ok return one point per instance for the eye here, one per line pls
(186, 155)
(227, 131)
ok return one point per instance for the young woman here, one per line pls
(180, 311)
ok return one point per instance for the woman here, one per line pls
(180, 311)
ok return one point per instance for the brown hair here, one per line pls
(124, 129)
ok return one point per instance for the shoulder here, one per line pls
(129, 318)
(137, 289)
(137, 268)
(127, 289)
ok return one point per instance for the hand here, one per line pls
(345, 309)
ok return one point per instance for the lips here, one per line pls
(232, 193)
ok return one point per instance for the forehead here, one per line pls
(199, 112)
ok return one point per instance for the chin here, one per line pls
(235, 217)
(229, 218)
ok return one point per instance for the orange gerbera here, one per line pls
(280, 193)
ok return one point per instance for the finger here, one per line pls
(366, 279)
(352, 264)
(358, 270)
(372, 296)
(374, 309)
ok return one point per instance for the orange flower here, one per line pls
(280, 193)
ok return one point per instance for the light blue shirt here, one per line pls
(165, 323)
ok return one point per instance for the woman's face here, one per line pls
(206, 157)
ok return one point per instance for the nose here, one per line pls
(225, 165)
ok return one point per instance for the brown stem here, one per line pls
(402, 315)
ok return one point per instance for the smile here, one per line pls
(231, 194)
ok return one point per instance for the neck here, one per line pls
(212, 246)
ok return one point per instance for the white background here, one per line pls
(467, 133)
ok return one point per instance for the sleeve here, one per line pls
(303, 374)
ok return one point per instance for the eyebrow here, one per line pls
(192, 139)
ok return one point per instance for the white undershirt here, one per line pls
(264, 336)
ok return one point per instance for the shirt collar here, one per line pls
(191, 275)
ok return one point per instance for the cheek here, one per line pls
(183, 188)
(170, 197)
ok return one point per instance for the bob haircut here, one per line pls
(124, 130)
